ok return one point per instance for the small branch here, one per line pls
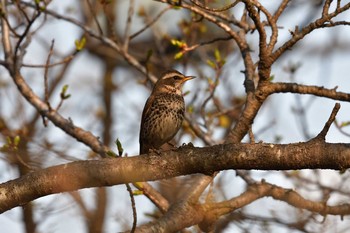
(24, 34)
(153, 195)
(63, 61)
(300, 34)
(109, 42)
(274, 88)
(93, 13)
(187, 49)
(66, 125)
(225, 8)
(149, 24)
(133, 206)
(199, 132)
(323, 133)
(6, 35)
(128, 25)
(280, 9)
(340, 128)
(46, 84)
(212, 89)
(245, 176)
(326, 6)
(259, 190)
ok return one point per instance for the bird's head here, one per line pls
(171, 81)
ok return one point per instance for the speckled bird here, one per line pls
(164, 111)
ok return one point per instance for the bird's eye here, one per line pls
(176, 77)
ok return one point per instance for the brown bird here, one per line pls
(164, 111)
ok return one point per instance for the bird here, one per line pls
(163, 112)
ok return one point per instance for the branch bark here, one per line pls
(314, 154)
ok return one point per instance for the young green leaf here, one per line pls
(63, 94)
(217, 55)
(137, 192)
(211, 64)
(16, 140)
(178, 55)
(111, 154)
(80, 44)
(120, 147)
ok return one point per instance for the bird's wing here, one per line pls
(145, 112)
(147, 107)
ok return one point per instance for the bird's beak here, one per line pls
(188, 78)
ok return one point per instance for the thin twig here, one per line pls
(93, 13)
(46, 84)
(111, 43)
(199, 132)
(187, 49)
(133, 206)
(149, 24)
(300, 34)
(128, 25)
(24, 34)
(64, 61)
(339, 127)
(5, 26)
(212, 89)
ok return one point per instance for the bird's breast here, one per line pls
(165, 117)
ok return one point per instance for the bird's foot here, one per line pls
(184, 145)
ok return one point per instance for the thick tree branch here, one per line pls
(183, 161)
(273, 88)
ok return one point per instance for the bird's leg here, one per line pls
(155, 151)
(172, 146)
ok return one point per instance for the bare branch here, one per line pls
(273, 88)
(6, 35)
(130, 59)
(323, 133)
(149, 24)
(65, 124)
(153, 195)
(264, 189)
(185, 160)
(225, 8)
(93, 13)
(46, 84)
(128, 25)
(133, 207)
(298, 35)
(280, 10)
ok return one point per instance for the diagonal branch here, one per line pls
(66, 125)
(323, 133)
